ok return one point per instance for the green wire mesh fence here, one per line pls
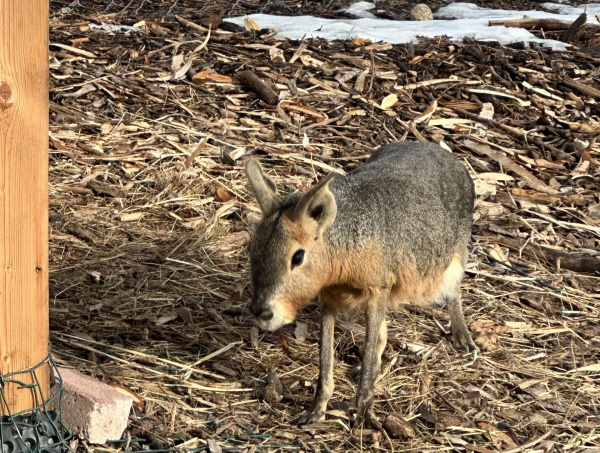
(38, 429)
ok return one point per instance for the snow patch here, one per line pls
(592, 9)
(361, 9)
(472, 11)
(471, 22)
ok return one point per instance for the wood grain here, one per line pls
(23, 193)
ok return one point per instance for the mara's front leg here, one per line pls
(325, 384)
(371, 364)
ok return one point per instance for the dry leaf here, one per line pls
(584, 163)
(223, 195)
(274, 389)
(356, 112)
(486, 334)
(276, 54)
(177, 62)
(495, 177)
(137, 400)
(487, 110)
(131, 216)
(164, 319)
(499, 254)
(213, 446)
(237, 153)
(300, 331)
(211, 21)
(501, 440)
(184, 314)
(594, 367)
(398, 428)
(204, 43)
(106, 128)
(361, 81)
(500, 94)
(429, 111)
(307, 60)
(285, 344)
(250, 25)
(254, 337)
(182, 71)
(193, 223)
(358, 41)
(74, 50)
(388, 101)
(305, 140)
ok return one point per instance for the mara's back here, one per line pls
(410, 200)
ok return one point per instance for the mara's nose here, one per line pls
(265, 314)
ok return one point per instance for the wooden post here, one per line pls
(23, 194)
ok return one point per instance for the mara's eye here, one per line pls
(297, 258)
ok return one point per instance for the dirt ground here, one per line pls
(150, 217)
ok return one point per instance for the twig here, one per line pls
(249, 80)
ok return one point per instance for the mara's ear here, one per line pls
(317, 209)
(263, 188)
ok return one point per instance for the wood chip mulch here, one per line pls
(151, 215)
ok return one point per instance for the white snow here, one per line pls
(361, 9)
(472, 11)
(115, 28)
(471, 22)
(592, 9)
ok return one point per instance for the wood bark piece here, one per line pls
(554, 151)
(580, 86)
(398, 428)
(251, 81)
(577, 199)
(190, 24)
(570, 32)
(576, 262)
(24, 307)
(531, 23)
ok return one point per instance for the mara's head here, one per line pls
(288, 255)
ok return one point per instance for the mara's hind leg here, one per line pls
(460, 333)
(450, 294)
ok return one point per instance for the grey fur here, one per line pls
(424, 197)
(396, 228)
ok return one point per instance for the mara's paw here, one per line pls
(367, 421)
(310, 417)
(462, 341)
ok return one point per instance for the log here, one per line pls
(530, 23)
(23, 197)
(570, 32)
(580, 86)
(251, 81)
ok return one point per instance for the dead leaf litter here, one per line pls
(152, 119)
